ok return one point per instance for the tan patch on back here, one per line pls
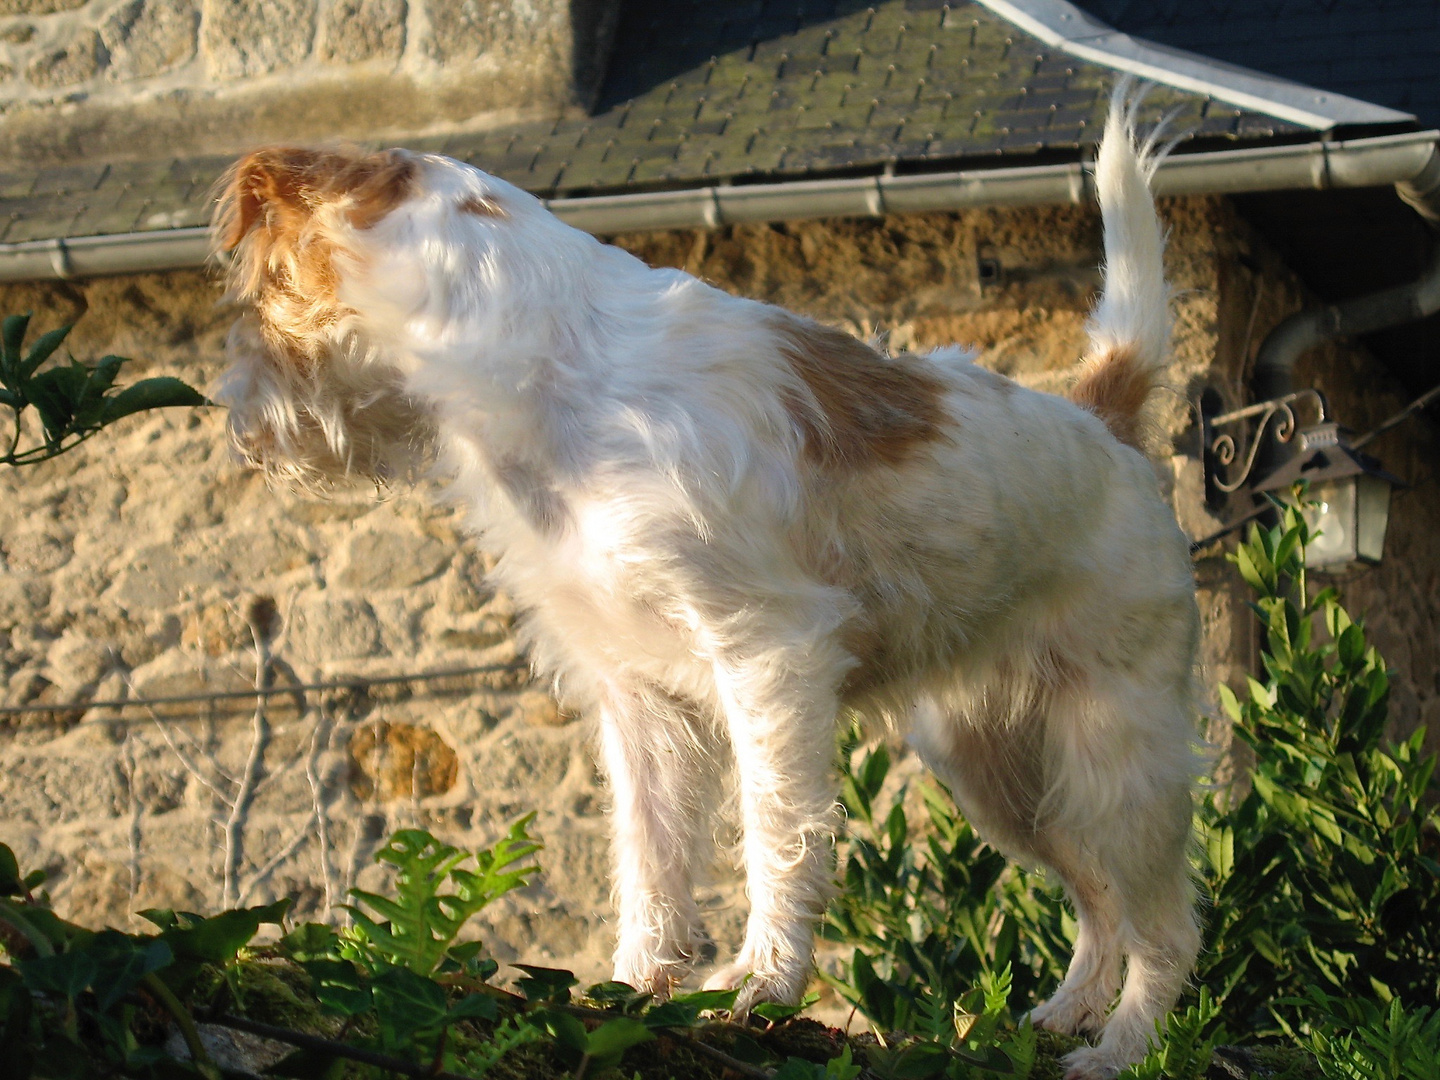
(1115, 386)
(863, 408)
(481, 206)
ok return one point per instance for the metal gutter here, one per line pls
(97, 256)
(1371, 162)
(1066, 27)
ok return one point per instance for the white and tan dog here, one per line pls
(725, 523)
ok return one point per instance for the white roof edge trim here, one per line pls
(1065, 26)
(1372, 162)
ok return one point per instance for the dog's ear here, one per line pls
(267, 179)
(277, 185)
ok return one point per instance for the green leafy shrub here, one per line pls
(74, 401)
(1323, 874)
(1356, 1040)
(421, 921)
(380, 972)
(396, 994)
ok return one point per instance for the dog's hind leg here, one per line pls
(1120, 802)
(660, 770)
(1073, 782)
(992, 760)
(1080, 1002)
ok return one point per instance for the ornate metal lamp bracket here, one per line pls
(1247, 435)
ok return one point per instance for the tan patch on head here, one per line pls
(278, 186)
(862, 408)
(278, 211)
(1115, 386)
(314, 408)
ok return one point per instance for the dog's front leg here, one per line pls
(781, 718)
(654, 754)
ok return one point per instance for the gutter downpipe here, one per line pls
(1408, 158)
(1274, 374)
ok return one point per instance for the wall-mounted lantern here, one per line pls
(1348, 493)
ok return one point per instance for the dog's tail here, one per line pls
(1130, 326)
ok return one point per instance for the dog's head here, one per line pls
(356, 267)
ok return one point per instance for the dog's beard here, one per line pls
(316, 424)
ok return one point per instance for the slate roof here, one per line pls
(1385, 51)
(701, 92)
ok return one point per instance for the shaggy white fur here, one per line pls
(725, 523)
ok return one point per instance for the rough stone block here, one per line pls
(156, 577)
(78, 61)
(261, 554)
(464, 32)
(391, 560)
(358, 30)
(175, 674)
(324, 627)
(38, 7)
(22, 598)
(148, 37)
(400, 761)
(75, 660)
(240, 38)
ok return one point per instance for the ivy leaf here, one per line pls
(408, 1004)
(338, 987)
(608, 1043)
(775, 1012)
(990, 1058)
(545, 984)
(310, 941)
(122, 961)
(571, 1038)
(67, 974)
(474, 1007)
(800, 1069)
(196, 940)
(708, 1000)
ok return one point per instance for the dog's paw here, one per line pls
(1069, 1013)
(654, 977)
(1091, 1063)
(784, 988)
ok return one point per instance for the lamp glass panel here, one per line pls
(1331, 517)
(1373, 513)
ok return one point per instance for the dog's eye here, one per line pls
(481, 206)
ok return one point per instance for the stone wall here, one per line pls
(134, 79)
(129, 566)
